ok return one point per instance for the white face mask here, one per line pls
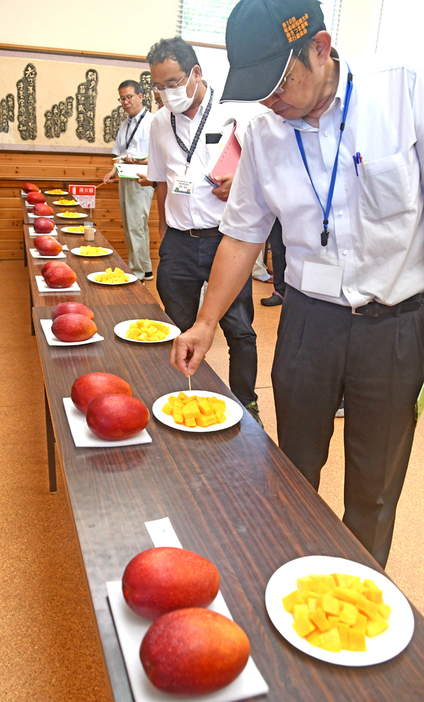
(176, 99)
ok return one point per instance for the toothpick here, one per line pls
(189, 383)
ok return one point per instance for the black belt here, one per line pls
(203, 233)
(375, 309)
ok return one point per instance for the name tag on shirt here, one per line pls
(183, 185)
(322, 275)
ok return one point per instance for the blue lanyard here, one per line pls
(326, 212)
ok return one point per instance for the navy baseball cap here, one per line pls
(261, 36)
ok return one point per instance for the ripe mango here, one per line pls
(43, 225)
(60, 277)
(90, 385)
(34, 197)
(116, 417)
(72, 307)
(162, 579)
(73, 327)
(51, 264)
(43, 210)
(193, 652)
(47, 245)
(30, 187)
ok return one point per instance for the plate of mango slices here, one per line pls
(197, 411)
(71, 215)
(146, 331)
(65, 203)
(91, 251)
(339, 611)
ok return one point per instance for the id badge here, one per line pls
(183, 185)
(323, 275)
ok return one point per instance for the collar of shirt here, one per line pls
(338, 101)
(132, 121)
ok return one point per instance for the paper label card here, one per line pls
(322, 276)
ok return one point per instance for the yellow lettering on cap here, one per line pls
(295, 28)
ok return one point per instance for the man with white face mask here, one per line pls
(190, 210)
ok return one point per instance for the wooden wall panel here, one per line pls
(56, 170)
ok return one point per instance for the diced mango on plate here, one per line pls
(147, 330)
(112, 277)
(337, 612)
(92, 250)
(195, 411)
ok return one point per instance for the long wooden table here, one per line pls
(231, 496)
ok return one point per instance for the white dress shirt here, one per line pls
(139, 145)
(376, 221)
(201, 209)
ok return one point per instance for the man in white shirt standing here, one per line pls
(190, 210)
(132, 145)
(339, 160)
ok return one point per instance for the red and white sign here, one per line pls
(85, 195)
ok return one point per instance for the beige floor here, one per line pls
(48, 648)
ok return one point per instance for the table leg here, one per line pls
(50, 447)
(31, 305)
(25, 252)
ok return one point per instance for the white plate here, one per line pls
(379, 649)
(35, 254)
(57, 202)
(122, 328)
(132, 279)
(32, 232)
(76, 215)
(131, 630)
(84, 437)
(66, 230)
(49, 192)
(76, 251)
(46, 325)
(31, 214)
(42, 287)
(233, 412)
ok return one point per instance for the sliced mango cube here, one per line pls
(194, 407)
(303, 626)
(337, 611)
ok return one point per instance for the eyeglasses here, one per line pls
(280, 88)
(126, 98)
(172, 85)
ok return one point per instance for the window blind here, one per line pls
(205, 22)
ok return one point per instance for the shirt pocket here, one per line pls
(385, 187)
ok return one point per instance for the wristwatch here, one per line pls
(155, 185)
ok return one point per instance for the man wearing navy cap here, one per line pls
(338, 160)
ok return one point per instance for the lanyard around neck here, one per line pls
(326, 211)
(128, 141)
(194, 143)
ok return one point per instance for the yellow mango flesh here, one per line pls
(195, 411)
(337, 612)
(112, 277)
(147, 330)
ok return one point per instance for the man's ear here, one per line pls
(197, 73)
(322, 44)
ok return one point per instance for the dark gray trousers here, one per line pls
(324, 352)
(185, 264)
